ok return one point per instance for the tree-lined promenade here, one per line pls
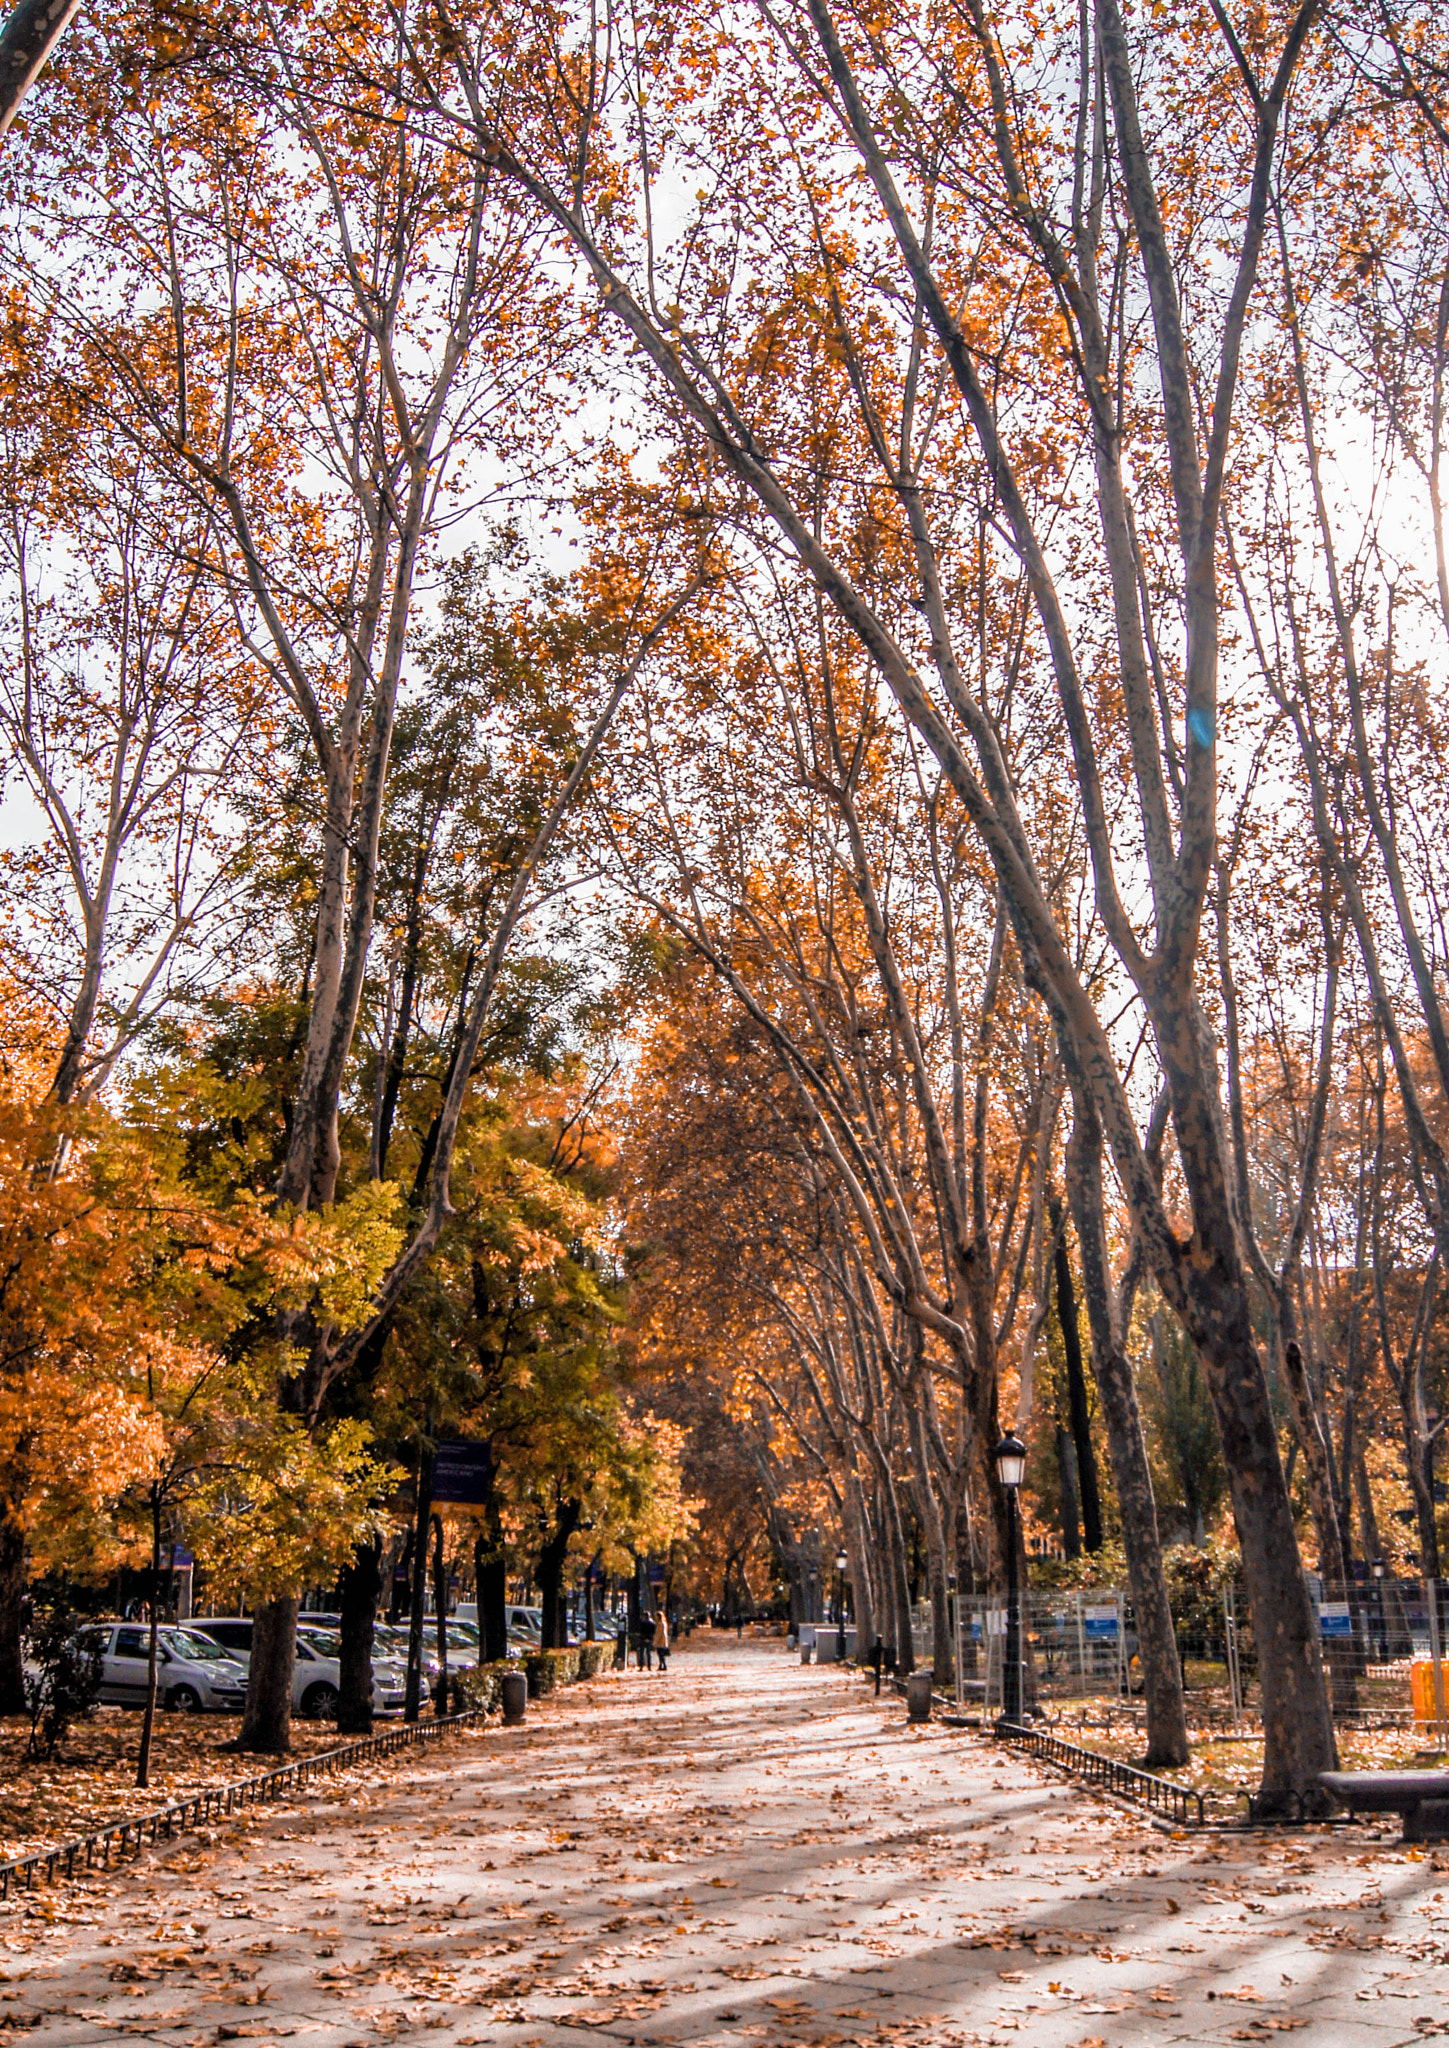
(743, 1849)
(725, 746)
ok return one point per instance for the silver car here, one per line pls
(317, 1677)
(193, 1674)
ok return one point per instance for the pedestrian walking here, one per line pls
(661, 1639)
(646, 1642)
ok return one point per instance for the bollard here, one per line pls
(805, 1651)
(876, 1658)
(918, 1695)
(515, 1698)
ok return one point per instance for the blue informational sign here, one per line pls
(1100, 1622)
(1335, 1618)
(462, 1475)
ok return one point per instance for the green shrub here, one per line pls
(480, 1688)
(1197, 1578)
(63, 1681)
(550, 1668)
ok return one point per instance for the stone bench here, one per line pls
(1420, 1797)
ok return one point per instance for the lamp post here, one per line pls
(841, 1561)
(1380, 1572)
(1010, 1467)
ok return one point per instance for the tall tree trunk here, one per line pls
(267, 1722)
(1207, 1287)
(886, 1624)
(31, 32)
(1308, 1428)
(148, 1718)
(551, 1560)
(895, 1559)
(590, 1632)
(13, 1580)
(1419, 1463)
(942, 1649)
(490, 1569)
(440, 1611)
(1156, 1637)
(1067, 1483)
(858, 1545)
(358, 1589)
(423, 1508)
(1077, 1404)
(1373, 1546)
(1299, 1741)
(399, 1600)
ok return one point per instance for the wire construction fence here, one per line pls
(1383, 1644)
(1075, 1646)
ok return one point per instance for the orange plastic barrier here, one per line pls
(1421, 1682)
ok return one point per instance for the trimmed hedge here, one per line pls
(481, 1687)
(548, 1669)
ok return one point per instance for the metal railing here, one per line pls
(1184, 1805)
(45, 1865)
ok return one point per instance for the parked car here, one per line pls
(316, 1677)
(193, 1674)
(523, 1630)
(392, 1641)
(319, 1650)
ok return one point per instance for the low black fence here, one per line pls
(1179, 1801)
(89, 1852)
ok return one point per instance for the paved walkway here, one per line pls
(741, 1851)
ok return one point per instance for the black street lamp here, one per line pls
(1010, 1468)
(841, 1561)
(1381, 1571)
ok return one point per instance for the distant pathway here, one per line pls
(739, 1851)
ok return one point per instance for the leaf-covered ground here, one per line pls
(1226, 1763)
(740, 1851)
(93, 1779)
